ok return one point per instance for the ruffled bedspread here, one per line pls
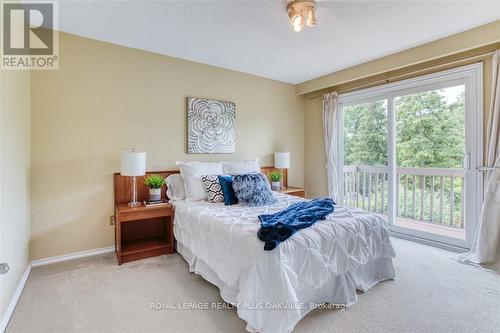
(326, 263)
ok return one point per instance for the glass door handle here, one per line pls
(466, 161)
(4, 268)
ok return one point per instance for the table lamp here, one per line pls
(133, 165)
(282, 161)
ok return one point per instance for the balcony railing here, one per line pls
(433, 195)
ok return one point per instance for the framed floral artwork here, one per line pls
(210, 126)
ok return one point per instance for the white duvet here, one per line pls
(325, 263)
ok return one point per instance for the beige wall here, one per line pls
(14, 180)
(106, 98)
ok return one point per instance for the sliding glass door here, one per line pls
(410, 152)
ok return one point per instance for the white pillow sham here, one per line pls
(175, 187)
(241, 167)
(192, 172)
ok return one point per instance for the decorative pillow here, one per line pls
(240, 167)
(175, 187)
(213, 188)
(253, 190)
(226, 182)
(192, 172)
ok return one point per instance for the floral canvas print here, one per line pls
(211, 126)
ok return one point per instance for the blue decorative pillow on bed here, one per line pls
(227, 189)
(253, 190)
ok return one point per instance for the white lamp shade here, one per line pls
(133, 163)
(282, 160)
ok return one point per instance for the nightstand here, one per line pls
(143, 232)
(296, 191)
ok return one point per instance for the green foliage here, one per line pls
(365, 134)
(154, 181)
(430, 132)
(275, 176)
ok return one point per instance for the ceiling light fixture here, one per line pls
(300, 11)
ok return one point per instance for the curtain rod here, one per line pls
(389, 79)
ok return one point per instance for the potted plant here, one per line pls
(154, 182)
(275, 178)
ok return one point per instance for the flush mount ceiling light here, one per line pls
(300, 12)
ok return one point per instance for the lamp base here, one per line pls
(134, 202)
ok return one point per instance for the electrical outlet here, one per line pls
(112, 220)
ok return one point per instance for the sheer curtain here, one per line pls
(330, 118)
(486, 247)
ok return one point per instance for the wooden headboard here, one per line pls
(123, 185)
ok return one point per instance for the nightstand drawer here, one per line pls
(145, 213)
(301, 194)
(296, 191)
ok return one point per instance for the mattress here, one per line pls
(326, 263)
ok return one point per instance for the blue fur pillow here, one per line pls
(253, 190)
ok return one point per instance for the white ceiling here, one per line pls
(255, 36)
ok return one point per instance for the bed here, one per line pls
(273, 290)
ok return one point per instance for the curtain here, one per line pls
(485, 250)
(330, 118)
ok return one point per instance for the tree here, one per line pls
(365, 134)
(430, 132)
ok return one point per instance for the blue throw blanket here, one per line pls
(278, 227)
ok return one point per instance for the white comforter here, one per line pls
(273, 290)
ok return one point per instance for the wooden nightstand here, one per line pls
(296, 191)
(143, 232)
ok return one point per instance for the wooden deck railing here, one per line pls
(434, 195)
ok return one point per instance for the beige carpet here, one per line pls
(432, 293)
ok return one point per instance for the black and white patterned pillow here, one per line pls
(213, 188)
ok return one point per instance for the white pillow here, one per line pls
(192, 172)
(240, 167)
(175, 187)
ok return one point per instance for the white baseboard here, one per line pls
(71, 256)
(13, 302)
